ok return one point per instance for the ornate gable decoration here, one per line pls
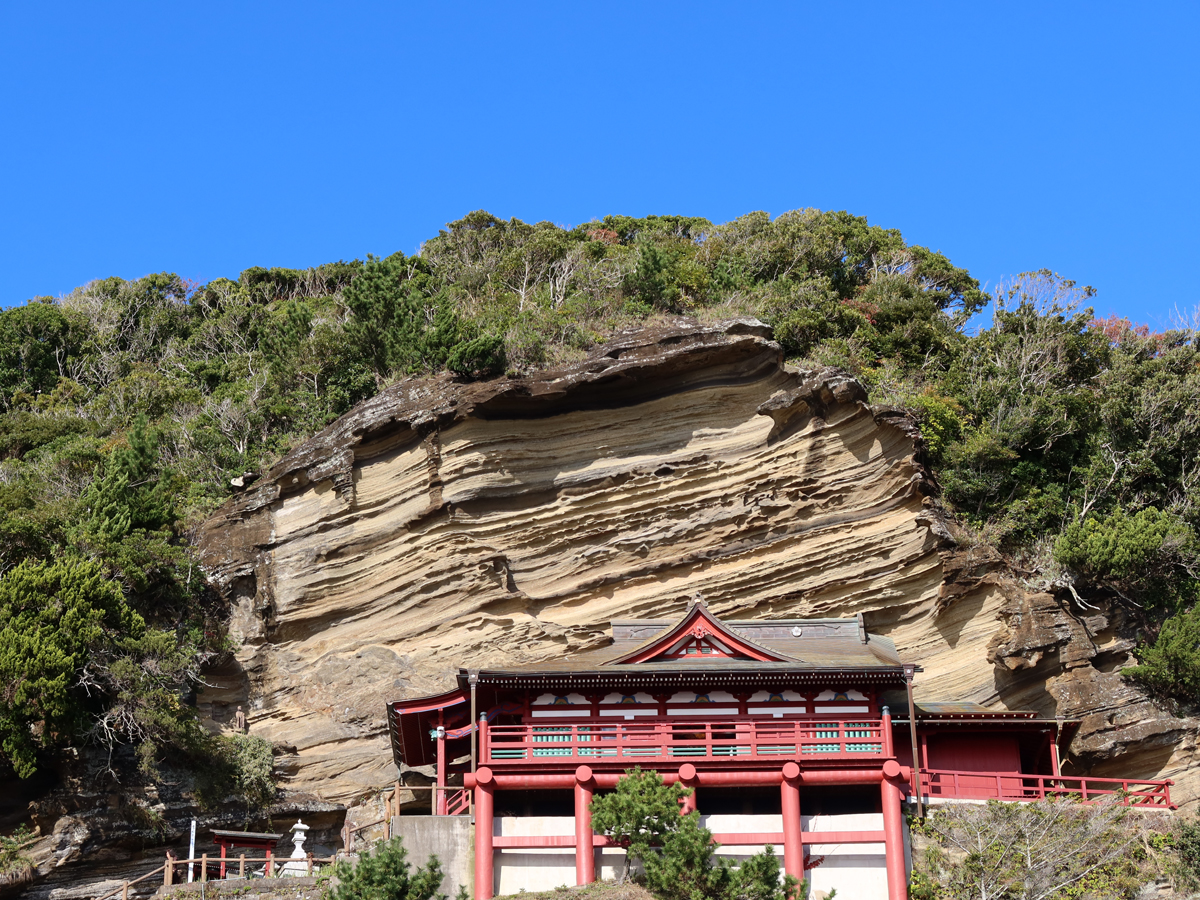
(698, 636)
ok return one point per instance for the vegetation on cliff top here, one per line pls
(126, 407)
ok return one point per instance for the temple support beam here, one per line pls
(440, 807)
(885, 732)
(748, 778)
(585, 852)
(793, 836)
(892, 795)
(485, 787)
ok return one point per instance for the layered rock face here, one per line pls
(443, 524)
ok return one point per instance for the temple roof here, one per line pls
(253, 837)
(700, 643)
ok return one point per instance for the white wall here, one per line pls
(739, 824)
(533, 868)
(857, 871)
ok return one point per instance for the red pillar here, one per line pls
(440, 806)
(484, 789)
(793, 838)
(893, 831)
(886, 729)
(585, 853)
(687, 776)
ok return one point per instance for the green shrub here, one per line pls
(1186, 844)
(685, 868)
(639, 813)
(240, 767)
(54, 617)
(12, 859)
(386, 874)
(399, 322)
(1171, 666)
(32, 337)
(1121, 547)
(941, 420)
(1148, 556)
(477, 358)
(655, 280)
(1040, 850)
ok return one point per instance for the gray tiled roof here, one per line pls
(803, 644)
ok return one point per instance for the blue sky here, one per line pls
(206, 138)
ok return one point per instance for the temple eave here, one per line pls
(698, 673)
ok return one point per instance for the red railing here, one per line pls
(629, 743)
(999, 786)
(458, 802)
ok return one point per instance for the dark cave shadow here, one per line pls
(963, 610)
(1029, 685)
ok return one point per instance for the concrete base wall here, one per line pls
(450, 838)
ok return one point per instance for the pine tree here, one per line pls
(677, 853)
(386, 874)
(130, 494)
(639, 814)
(53, 617)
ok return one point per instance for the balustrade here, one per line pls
(958, 785)
(636, 742)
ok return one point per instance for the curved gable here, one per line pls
(699, 636)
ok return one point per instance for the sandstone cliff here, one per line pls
(444, 524)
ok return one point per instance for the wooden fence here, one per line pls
(458, 802)
(272, 867)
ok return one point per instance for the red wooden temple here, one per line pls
(778, 709)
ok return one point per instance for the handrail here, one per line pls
(391, 799)
(458, 802)
(357, 828)
(631, 741)
(961, 784)
(123, 890)
(205, 861)
(279, 861)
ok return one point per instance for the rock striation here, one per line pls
(445, 523)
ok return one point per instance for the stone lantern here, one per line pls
(297, 863)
